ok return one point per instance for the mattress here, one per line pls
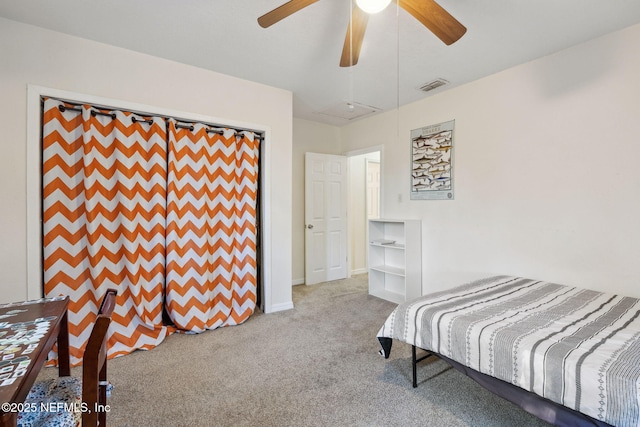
(576, 347)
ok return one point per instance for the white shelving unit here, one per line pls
(395, 260)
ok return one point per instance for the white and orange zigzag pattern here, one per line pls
(211, 227)
(104, 224)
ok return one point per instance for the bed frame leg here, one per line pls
(414, 363)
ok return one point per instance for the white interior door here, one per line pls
(325, 217)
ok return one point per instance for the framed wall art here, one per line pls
(432, 162)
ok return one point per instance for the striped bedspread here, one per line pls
(576, 347)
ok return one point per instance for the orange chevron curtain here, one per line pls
(104, 208)
(167, 215)
(211, 226)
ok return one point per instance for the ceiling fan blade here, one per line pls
(435, 18)
(281, 12)
(354, 37)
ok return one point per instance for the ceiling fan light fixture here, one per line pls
(373, 6)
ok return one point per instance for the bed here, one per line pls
(570, 356)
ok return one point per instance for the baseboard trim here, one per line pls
(280, 307)
(359, 271)
(297, 282)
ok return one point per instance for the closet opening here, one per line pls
(167, 208)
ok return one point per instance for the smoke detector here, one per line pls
(349, 110)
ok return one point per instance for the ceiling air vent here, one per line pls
(433, 85)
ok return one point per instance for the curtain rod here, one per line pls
(93, 112)
(218, 131)
(186, 124)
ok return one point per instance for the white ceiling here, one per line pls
(301, 53)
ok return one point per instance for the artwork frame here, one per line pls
(432, 162)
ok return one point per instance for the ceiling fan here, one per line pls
(428, 12)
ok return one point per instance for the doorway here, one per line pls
(364, 203)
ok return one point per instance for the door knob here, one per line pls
(310, 226)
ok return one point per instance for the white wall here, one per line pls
(33, 56)
(312, 137)
(547, 181)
